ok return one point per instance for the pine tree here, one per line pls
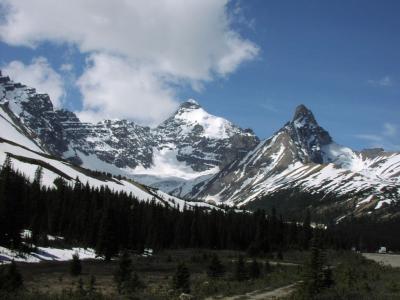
(92, 286)
(307, 231)
(107, 243)
(80, 288)
(215, 268)
(313, 280)
(328, 277)
(255, 271)
(267, 267)
(240, 269)
(133, 284)
(10, 206)
(75, 267)
(279, 255)
(38, 175)
(10, 278)
(124, 271)
(181, 279)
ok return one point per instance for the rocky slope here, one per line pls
(188, 146)
(19, 142)
(303, 157)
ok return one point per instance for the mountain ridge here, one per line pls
(179, 145)
(302, 156)
(196, 155)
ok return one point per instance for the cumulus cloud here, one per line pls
(382, 82)
(179, 41)
(112, 88)
(38, 74)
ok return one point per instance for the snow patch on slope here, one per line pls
(45, 254)
(166, 165)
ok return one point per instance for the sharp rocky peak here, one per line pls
(189, 104)
(303, 116)
(307, 136)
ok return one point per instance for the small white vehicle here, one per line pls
(382, 250)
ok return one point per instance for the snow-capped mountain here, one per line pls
(303, 157)
(196, 155)
(189, 146)
(27, 155)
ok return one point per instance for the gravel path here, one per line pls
(387, 259)
(262, 294)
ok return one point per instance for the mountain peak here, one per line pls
(303, 114)
(190, 104)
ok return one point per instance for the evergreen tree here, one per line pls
(307, 231)
(181, 279)
(107, 243)
(10, 278)
(267, 267)
(133, 284)
(240, 269)
(80, 288)
(215, 268)
(75, 267)
(327, 277)
(124, 271)
(313, 280)
(92, 286)
(11, 207)
(255, 271)
(279, 255)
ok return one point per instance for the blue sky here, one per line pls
(340, 58)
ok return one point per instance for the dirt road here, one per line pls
(387, 259)
(262, 294)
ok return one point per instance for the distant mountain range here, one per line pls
(196, 155)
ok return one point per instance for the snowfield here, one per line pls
(45, 254)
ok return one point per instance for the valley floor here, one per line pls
(156, 272)
(354, 277)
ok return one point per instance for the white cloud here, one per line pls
(370, 137)
(389, 129)
(179, 41)
(387, 139)
(38, 74)
(66, 67)
(383, 82)
(113, 88)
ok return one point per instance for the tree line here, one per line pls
(110, 221)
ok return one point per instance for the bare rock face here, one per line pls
(308, 136)
(196, 138)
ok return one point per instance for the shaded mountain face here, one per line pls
(190, 144)
(302, 157)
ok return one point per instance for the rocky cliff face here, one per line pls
(191, 141)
